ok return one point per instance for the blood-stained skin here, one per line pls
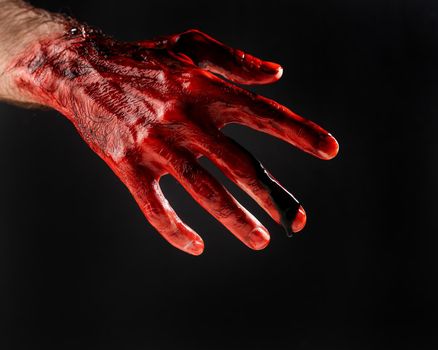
(152, 108)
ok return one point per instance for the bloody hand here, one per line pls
(152, 108)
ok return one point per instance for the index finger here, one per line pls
(233, 64)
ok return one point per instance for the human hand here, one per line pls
(152, 108)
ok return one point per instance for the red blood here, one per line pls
(299, 221)
(152, 108)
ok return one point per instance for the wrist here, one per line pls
(22, 28)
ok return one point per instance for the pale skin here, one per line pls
(154, 107)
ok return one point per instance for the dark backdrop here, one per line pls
(80, 268)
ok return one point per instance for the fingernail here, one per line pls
(272, 68)
(300, 220)
(258, 238)
(328, 147)
(195, 247)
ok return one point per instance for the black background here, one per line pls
(80, 268)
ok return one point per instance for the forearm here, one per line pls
(21, 26)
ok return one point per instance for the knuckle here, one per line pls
(224, 211)
(193, 34)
